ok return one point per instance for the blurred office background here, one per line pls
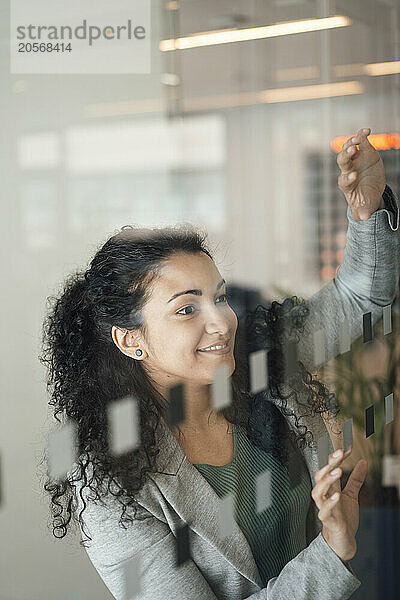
(240, 138)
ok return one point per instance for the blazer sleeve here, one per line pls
(365, 282)
(316, 572)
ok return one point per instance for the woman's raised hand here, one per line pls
(339, 510)
(362, 179)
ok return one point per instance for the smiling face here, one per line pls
(179, 324)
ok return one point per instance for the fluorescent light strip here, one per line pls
(211, 38)
(290, 94)
(309, 92)
(383, 68)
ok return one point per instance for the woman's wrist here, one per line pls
(344, 549)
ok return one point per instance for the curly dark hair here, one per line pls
(86, 370)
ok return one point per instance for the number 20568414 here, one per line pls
(43, 47)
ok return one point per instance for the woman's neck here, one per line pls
(200, 417)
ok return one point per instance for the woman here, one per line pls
(141, 321)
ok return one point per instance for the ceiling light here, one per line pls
(172, 5)
(290, 94)
(309, 92)
(380, 141)
(383, 68)
(211, 38)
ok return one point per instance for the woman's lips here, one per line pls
(225, 350)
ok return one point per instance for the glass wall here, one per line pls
(237, 128)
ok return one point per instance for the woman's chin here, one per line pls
(229, 363)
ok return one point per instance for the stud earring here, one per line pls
(139, 353)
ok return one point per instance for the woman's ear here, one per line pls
(128, 341)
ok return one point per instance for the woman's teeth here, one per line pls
(213, 348)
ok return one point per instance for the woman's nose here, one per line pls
(216, 322)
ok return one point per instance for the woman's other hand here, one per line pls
(339, 514)
(362, 179)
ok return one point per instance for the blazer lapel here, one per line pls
(197, 504)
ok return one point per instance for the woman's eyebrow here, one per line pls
(195, 292)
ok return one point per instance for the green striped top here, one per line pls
(277, 533)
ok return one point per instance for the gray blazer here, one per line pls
(177, 493)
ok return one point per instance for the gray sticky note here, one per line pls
(370, 420)
(263, 491)
(387, 319)
(323, 450)
(226, 518)
(294, 469)
(182, 545)
(221, 388)
(132, 578)
(176, 406)
(348, 434)
(290, 357)
(258, 371)
(344, 337)
(62, 450)
(389, 409)
(124, 425)
(319, 344)
(367, 327)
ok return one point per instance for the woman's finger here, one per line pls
(323, 490)
(355, 139)
(346, 156)
(363, 135)
(333, 461)
(356, 479)
(327, 507)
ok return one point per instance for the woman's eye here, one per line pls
(184, 308)
(223, 296)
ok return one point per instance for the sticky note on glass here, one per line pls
(221, 388)
(294, 469)
(367, 327)
(389, 409)
(132, 579)
(290, 357)
(258, 371)
(62, 450)
(123, 425)
(370, 420)
(176, 407)
(387, 319)
(323, 450)
(348, 434)
(344, 336)
(182, 545)
(263, 491)
(319, 345)
(226, 520)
